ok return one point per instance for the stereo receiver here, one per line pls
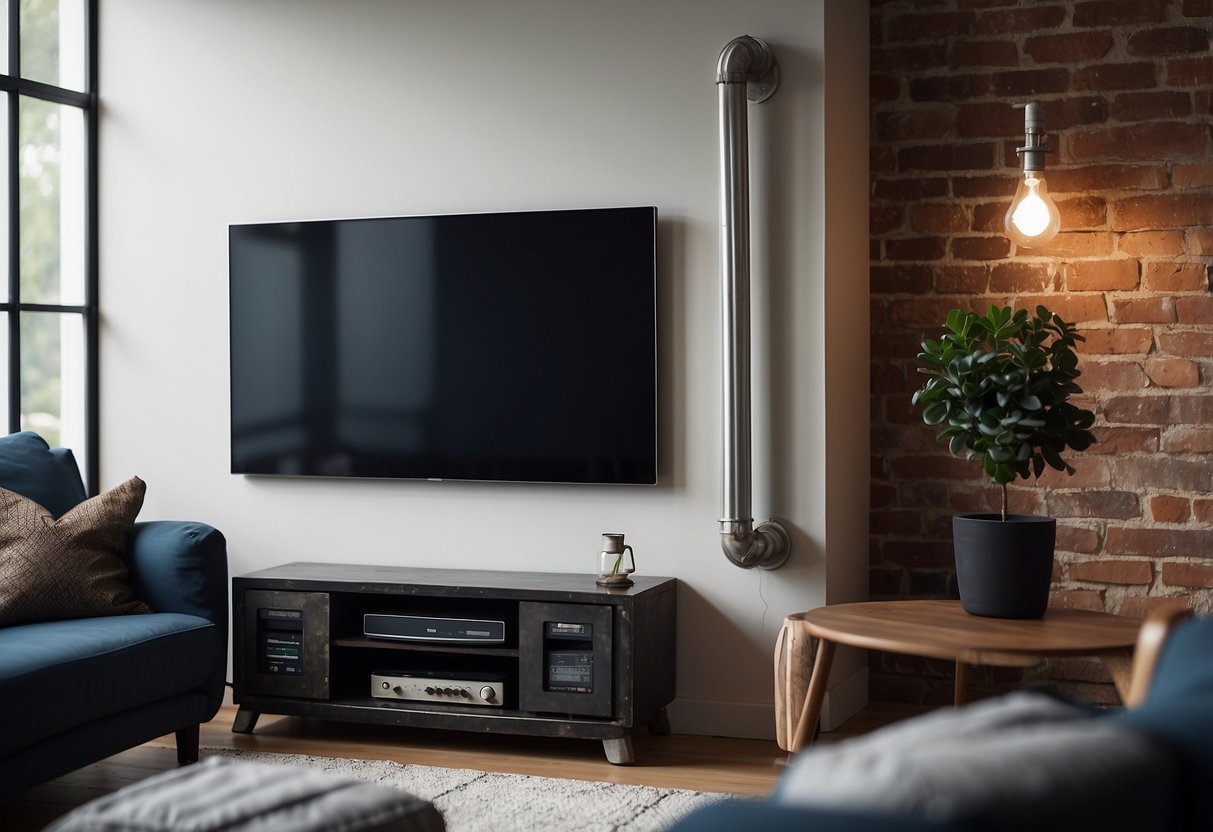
(433, 628)
(450, 688)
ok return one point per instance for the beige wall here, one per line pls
(221, 112)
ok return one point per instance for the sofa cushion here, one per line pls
(70, 567)
(46, 475)
(57, 675)
(1000, 760)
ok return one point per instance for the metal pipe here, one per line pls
(747, 70)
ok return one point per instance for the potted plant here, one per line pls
(998, 388)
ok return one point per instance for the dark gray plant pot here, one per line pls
(1004, 569)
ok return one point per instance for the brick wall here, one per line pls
(1129, 110)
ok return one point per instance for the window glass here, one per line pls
(53, 377)
(51, 171)
(52, 42)
(4, 424)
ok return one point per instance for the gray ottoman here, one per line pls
(221, 795)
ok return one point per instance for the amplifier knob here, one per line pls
(487, 693)
(464, 694)
(429, 691)
(386, 685)
(449, 691)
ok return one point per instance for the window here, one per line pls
(48, 305)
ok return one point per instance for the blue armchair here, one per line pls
(74, 692)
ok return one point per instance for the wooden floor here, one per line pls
(717, 764)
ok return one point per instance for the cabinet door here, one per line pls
(283, 648)
(564, 658)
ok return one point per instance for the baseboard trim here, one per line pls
(844, 700)
(715, 718)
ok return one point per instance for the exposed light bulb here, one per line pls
(1033, 218)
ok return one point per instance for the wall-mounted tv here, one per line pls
(506, 347)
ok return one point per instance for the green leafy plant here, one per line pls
(999, 386)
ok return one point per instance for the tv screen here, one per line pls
(510, 346)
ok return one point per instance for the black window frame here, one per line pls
(13, 308)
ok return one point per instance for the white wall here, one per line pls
(222, 111)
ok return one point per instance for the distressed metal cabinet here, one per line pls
(576, 660)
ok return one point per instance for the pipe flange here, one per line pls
(760, 90)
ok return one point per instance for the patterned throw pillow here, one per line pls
(71, 567)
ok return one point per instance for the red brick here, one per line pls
(978, 186)
(1147, 106)
(1120, 274)
(900, 278)
(928, 312)
(1158, 211)
(1173, 40)
(1202, 102)
(1159, 543)
(1116, 341)
(1083, 211)
(1112, 376)
(1198, 8)
(1119, 441)
(938, 217)
(1194, 310)
(1112, 571)
(1170, 509)
(1165, 473)
(929, 26)
(898, 60)
(1173, 372)
(1173, 276)
(1190, 72)
(1143, 310)
(1193, 176)
(1073, 308)
(1199, 240)
(974, 53)
(1202, 510)
(1031, 82)
(1120, 505)
(917, 554)
(899, 345)
(946, 157)
(1152, 243)
(992, 118)
(1077, 244)
(1134, 76)
(1077, 539)
(1137, 410)
(1187, 575)
(896, 522)
(912, 125)
(961, 280)
(1136, 606)
(881, 160)
(1108, 178)
(916, 248)
(1186, 343)
(883, 87)
(1020, 20)
(1191, 410)
(1076, 599)
(884, 218)
(1118, 12)
(918, 187)
(980, 248)
(1090, 472)
(1184, 440)
(1020, 277)
(1144, 142)
(991, 216)
(1068, 48)
(949, 87)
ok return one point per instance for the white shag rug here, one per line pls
(479, 801)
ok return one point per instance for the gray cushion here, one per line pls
(1003, 760)
(220, 795)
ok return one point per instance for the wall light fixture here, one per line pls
(1033, 218)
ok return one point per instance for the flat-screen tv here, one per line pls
(506, 347)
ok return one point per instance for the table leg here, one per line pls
(961, 691)
(1120, 667)
(815, 698)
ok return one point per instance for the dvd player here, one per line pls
(433, 628)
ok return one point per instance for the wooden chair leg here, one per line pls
(187, 745)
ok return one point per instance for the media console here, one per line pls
(533, 653)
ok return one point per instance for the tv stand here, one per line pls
(569, 659)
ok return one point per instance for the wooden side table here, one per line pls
(936, 630)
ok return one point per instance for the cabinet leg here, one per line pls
(660, 723)
(245, 721)
(619, 751)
